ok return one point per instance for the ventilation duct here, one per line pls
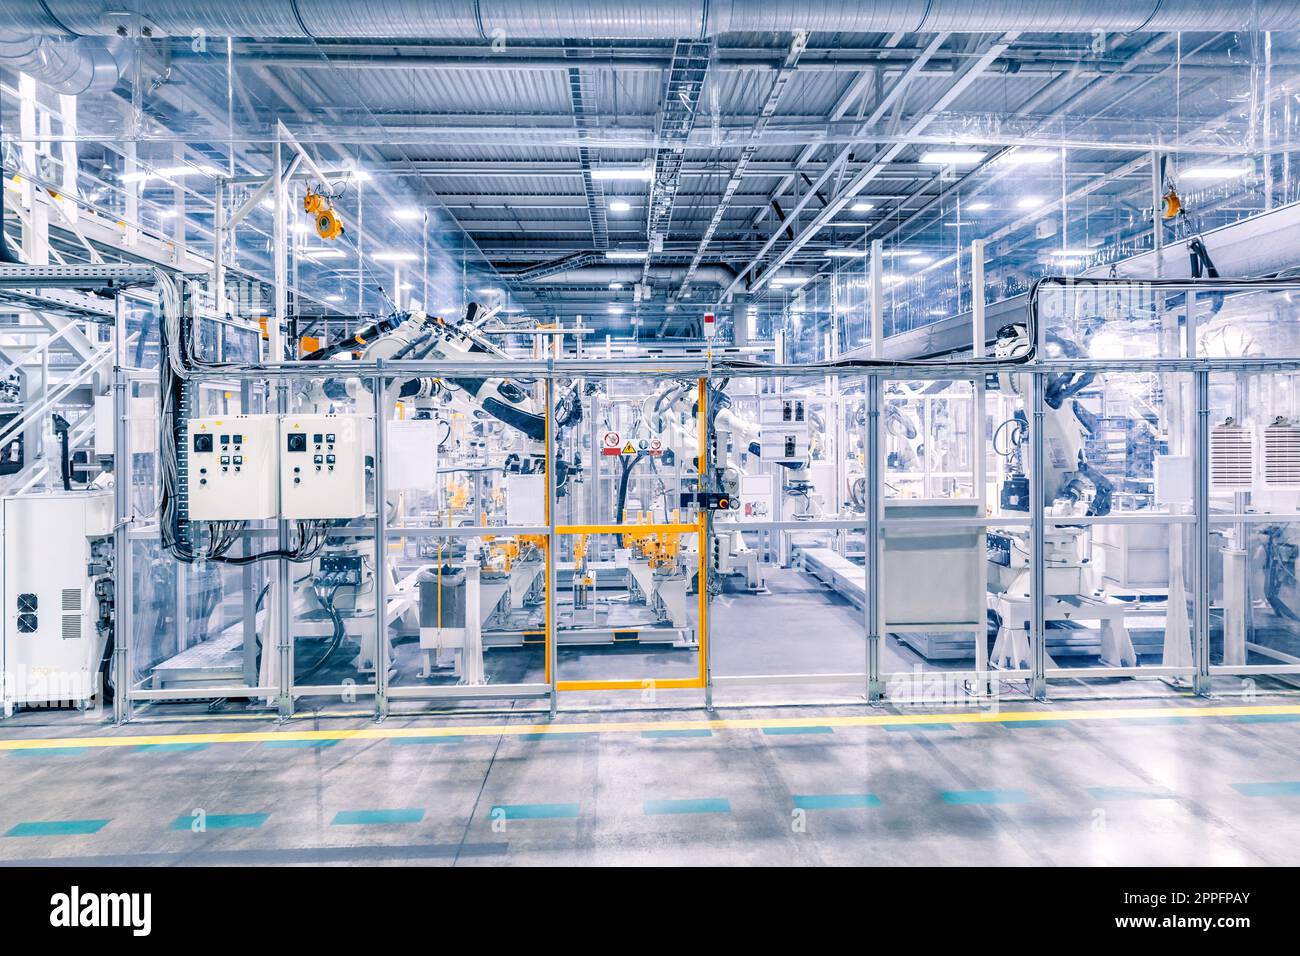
(65, 66)
(635, 19)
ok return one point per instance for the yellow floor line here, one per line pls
(628, 727)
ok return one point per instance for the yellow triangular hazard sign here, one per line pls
(628, 449)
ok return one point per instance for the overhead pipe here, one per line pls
(625, 19)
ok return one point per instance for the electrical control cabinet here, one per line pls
(231, 467)
(784, 430)
(323, 465)
(58, 596)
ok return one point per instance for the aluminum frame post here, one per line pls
(381, 550)
(275, 342)
(871, 604)
(979, 398)
(1037, 527)
(706, 558)
(123, 619)
(552, 549)
(1201, 682)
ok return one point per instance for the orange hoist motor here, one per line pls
(328, 224)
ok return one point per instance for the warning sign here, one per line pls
(656, 446)
(611, 443)
(628, 449)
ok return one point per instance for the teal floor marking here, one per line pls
(536, 738)
(50, 751)
(1154, 721)
(1266, 718)
(1276, 788)
(707, 805)
(219, 821)
(658, 734)
(782, 731)
(428, 740)
(918, 726)
(347, 818)
(1023, 724)
(1130, 793)
(169, 748)
(836, 801)
(56, 828)
(984, 797)
(534, 811)
(299, 744)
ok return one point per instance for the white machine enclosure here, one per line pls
(55, 548)
(323, 466)
(231, 468)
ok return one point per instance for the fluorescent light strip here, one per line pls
(952, 157)
(642, 173)
(1213, 173)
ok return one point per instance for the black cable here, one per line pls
(327, 602)
(628, 465)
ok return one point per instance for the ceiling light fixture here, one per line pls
(978, 206)
(620, 205)
(1029, 202)
(951, 157)
(626, 255)
(642, 173)
(1213, 173)
(394, 256)
(862, 207)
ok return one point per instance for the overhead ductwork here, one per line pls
(632, 19)
(599, 275)
(73, 66)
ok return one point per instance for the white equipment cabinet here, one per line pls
(231, 467)
(323, 465)
(55, 549)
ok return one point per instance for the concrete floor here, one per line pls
(1159, 786)
(814, 777)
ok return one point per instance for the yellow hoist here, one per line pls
(321, 208)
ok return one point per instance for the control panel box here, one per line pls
(784, 430)
(231, 467)
(323, 465)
